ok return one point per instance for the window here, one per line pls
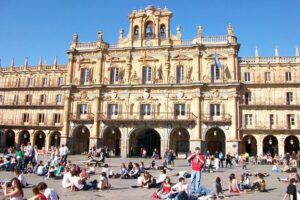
(214, 73)
(113, 109)
(289, 98)
(288, 76)
(29, 82)
(136, 33)
(145, 109)
(17, 82)
(58, 98)
(28, 98)
(25, 117)
(180, 73)
(179, 109)
(247, 97)
(60, 81)
(1, 98)
(248, 119)
(291, 120)
(43, 99)
(45, 81)
(56, 118)
(114, 75)
(85, 76)
(83, 109)
(162, 31)
(16, 99)
(215, 109)
(149, 30)
(41, 117)
(267, 76)
(247, 76)
(146, 74)
(271, 119)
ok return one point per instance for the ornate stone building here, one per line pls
(154, 90)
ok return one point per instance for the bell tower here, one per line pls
(148, 27)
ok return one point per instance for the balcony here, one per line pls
(153, 117)
(24, 104)
(280, 126)
(222, 118)
(17, 123)
(81, 117)
(279, 103)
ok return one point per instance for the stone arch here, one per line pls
(112, 139)
(215, 140)
(291, 143)
(24, 137)
(270, 145)
(144, 137)
(10, 138)
(81, 139)
(179, 140)
(249, 145)
(39, 139)
(54, 139)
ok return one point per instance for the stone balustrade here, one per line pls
(34, 68)
(269, 59)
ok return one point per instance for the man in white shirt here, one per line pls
(28, 154)
(67, 180)
(63, 152)
(49, 193)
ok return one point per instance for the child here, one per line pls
(103, 183)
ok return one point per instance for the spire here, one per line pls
(26, 62)
(12, 62)
(256, 51)
(41, 61)
(199, 31)
(55, 60)
(297, 51)
(276, 51)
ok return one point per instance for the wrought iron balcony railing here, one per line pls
(209, 118)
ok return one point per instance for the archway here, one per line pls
(146, 138)
(291, 143)
(81, 140)
(24, 138)
(249, 145)
(270, 145)
(180, 140)
(215, 140)
(54, 140)
(112, 139)
(39, 139)
(10, 138)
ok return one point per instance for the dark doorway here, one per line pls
(81, 140)
(291, 143)
(270, 145)
(55, 140)
(215, 140)
(10, 138)
(24, 137)
(40, 139)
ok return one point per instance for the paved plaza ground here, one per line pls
(121, 189)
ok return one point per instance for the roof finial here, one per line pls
(26, 62)
(55, 60)
(12, 62)
(276, 51)
(41, 61)
(229, 30)
(256, 52)
(297, 51)
(199, 31)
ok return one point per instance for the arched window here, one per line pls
(162, 31)
(146, 74)
(179, 73)
(149, 30)
(136, 32)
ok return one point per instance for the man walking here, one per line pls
(63, 152)
(197, 161)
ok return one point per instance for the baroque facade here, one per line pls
(154, 90)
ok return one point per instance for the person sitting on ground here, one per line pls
(217, 191)
(164, 190)
(123, 171)
(37, 195)
(110, 173)
(21, 177)
(130, 166)
(49, 193)
(134, 173)
(257, 174)
(90, 169)
(162, 176)
(146, 180)
(184, 174)
(286, 167)
(103, 183)
(291, 190)
(67, 179)
(233, 184)
(40, 169)
(259, 184)
(180, 190)
(292, 175)
(142, 167)
(153, 165)
(275, 167)
(51, 172)
(79, 184)
(245, 182)
(17, 191)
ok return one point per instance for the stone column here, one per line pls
(259, 146)
(280, 147)
(70, 69)
(47, 139)
(94, 135)
(65, 131)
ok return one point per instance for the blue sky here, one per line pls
(45, 28)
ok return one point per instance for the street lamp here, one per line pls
(270, 141)
(25, 136)
(40, 136)
(179, 132)
(82, 130)
(249, 140)
(292, 141)
(113, 131)
(215, 133)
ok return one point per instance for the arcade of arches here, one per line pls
(215, 140)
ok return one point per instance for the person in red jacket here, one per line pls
(197, 161)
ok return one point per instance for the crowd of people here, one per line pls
(74, 177)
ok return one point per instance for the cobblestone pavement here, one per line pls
(121, 189)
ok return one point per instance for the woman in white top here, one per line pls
(21, 177)
(180, 190)
(103, 183)
(67, 180)
(17, 191)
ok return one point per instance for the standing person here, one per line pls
(298, 159)
(197, 161)
(28, 154)
(63, 152)
(221, 157)
(291, 190)
(19, 156)
(217, 160)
